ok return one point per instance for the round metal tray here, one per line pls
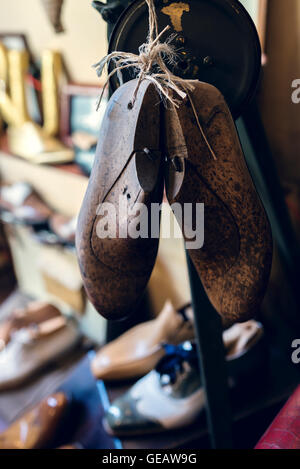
(217, 41)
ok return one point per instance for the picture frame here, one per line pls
(80, 118)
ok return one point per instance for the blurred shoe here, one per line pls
(37, 427)
(34, 347)
(31, 142)
(168, 397)
(246, 352)
(171, 396)
(60, 230)
(64, 228)
(240, 338)
(35, 312)
(20, 203)
(137, 352)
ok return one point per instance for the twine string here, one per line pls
(151, 64)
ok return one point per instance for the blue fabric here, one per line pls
(172, 362)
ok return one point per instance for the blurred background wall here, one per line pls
(281, 117)
(82, 45)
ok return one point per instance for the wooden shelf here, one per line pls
(62, 186)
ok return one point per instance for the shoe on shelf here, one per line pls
(35, 312)
(137, 352)
(63, 227)
(240, 338)
(34, 347)
(169, 397)
(37, 427)
(20, 203)
(206, 165)
(246, 352)
(116, 267)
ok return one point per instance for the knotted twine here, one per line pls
(151, 64)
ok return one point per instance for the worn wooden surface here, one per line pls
(234, 263)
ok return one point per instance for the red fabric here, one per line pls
(284, 432)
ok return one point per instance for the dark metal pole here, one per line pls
(213, 368)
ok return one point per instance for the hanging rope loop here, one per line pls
(151, 63)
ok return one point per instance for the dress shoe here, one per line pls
(64, 228)
(171, 395)
(31, 142)
(37, 427)
(240, 338)
(59, 231)
(246, 354)
(126, 172)
(20, 203)
(206, 165)
(138, 351)
(34, 313)
(166, 398)
(34, 347)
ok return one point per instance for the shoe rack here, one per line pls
(47, 272)
(208, 326)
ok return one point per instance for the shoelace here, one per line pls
(182, 311)
(175, 357)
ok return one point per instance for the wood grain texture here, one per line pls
(234, 264)
(116, 270)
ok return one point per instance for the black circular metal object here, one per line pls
(217, 41)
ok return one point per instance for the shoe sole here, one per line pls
(235, 261)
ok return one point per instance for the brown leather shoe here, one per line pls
(34, 313)
(63, 227)
(21, 203)
(138, 351)
(234, 263)
(241, 337)
(37, 427)
(126, 172)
